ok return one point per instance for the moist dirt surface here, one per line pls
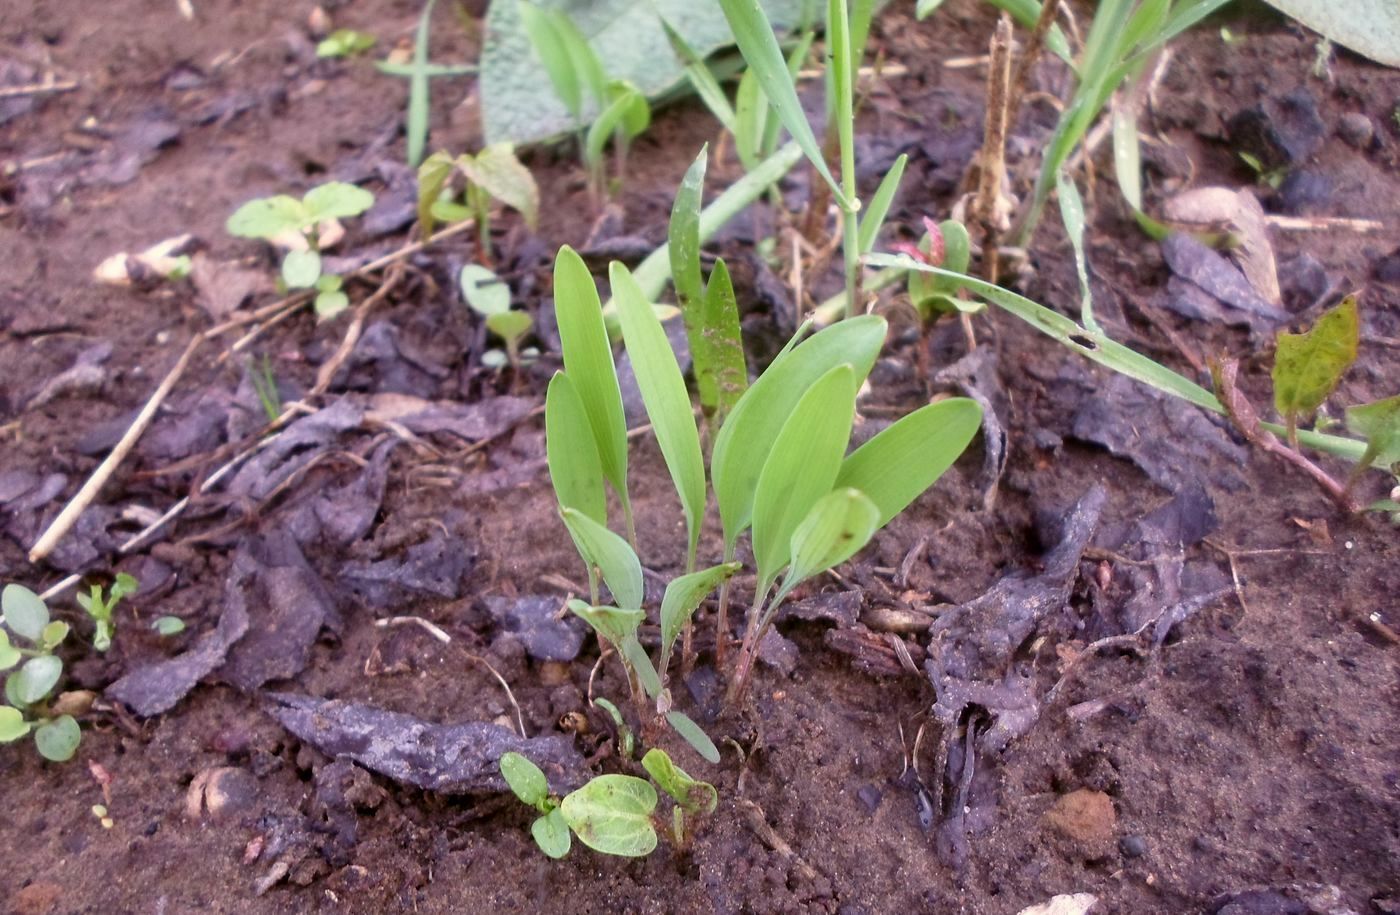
(1201, 716)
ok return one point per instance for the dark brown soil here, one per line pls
(1257, 749)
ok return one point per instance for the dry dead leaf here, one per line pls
(1239, 213)
(1064, 904)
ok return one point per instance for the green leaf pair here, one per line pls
(494, 173)
(34, 673)
(487, 295)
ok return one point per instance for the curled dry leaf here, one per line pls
(163, 259)
(1237, 212)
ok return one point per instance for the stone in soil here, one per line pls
(1087, 819)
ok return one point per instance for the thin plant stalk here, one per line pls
(844, 81)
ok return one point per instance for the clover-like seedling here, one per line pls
(302, 227)
(489, 297)
(100, 608)
(693, 797)
(34, 672)
(550, 831)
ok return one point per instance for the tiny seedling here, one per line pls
(344, 43)
(693, 798)
(34, 672)
(494, 173)
(1273, 177)
(265, 386)
(167, 626)
(301, 227)
(100, 608)
(489, 297)
(418, 73)
(625, 117)
(550, 831)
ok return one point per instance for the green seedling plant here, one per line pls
(614, 814)
(300, 226)
(34, 672)
(344, 43)
(625, 117)
(489, 297)
(265, 386)
(101, 608)
(418, 73)
(494, 173)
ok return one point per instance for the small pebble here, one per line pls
(1387, 269)
(1132, 846)
(1357, 129)
(870, 797)
(1305, 192)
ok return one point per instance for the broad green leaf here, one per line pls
(432, 178)
(588, 360)
(551, 833)
(613, 625)
(483, 291)
(801, 468)
(873, 217)
(336, 200)
(12, 724)
(683, 246)
(726, 369)
(301, 269)
(58, 740)
(571, 453)
(552, 54)
(611, 555)
(510, 326)
(702, 80)
(694, 735)
(330, 304)
(637, 659)
(683, 596)
(1072, 212)
(690, 793)
(1308, 366)
(524, 778)
(9, 654)
(25, 612)
(758, 44)
(497, 171)
(268, 217)
(903, 460)
(586, 63)
(612, 814)
(1378, 423)
(839, 525)
(663, 392)
(36, 679)
(746, 438)
(1371, 28)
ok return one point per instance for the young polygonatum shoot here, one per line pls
(1379, 424)
(612, 624)
(693, 795)
(612, 814)
(1308, 366)
(683, 596)
(838, 526)
(610, 554)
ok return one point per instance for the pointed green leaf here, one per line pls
(683, 246)
(751, 112)
(483, 291)
(627, 113)
(9, 654)
(524, 778)
(903, 460)
(166, 626)
(1072, 212)
(330, 304)
(510, 326)
(549, 47)
(588, 360)
(664, 394)
(610, 554)
(637, 659)
(498, 171)
(701, 79)
(586, 65)
(58, 740)
(301, 269)
(416, 117)
(612, 814)
(801, 468)
(267, 217)
(12, 724)
(551, 834)
(35, 680)
(432, 178)
(724, 376)
(694, 735)
(839, 525)
(683, 596)
(336, 200)
(612, 624)
(873, 218)
(691, 793)
(747, 436)
(25, 612)
(572, 454)
(1309, 365)
(1379, 424)
(759, 46)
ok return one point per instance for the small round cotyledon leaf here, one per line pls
(510, 325)
(35, 679)
(612, 814)
(58, 740)
(301, 269)
(330, 304)
(12, 724)
(25, 613)
(9, 654)
(551, 834)
(484, 292)
(168, 625)
(54, 634)
(524, 778)
(336, 200)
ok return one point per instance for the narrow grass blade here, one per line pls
(683, 596)
(586, 65)
(1072, 212)
(795, 59)
(750, 119)
(908, 457)
(726, 372)
(664, 394)
(417, 126)
(801, 468)
(613, 625)
(694, 735)
(838, 526)
(553, 54)
(571, 452)
(588, 360)
(641, 664)
(702, 80)
(874, 216)
(683, 243)
(610, 554)
(758, 44)
(747, 436)
(1026, 12)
